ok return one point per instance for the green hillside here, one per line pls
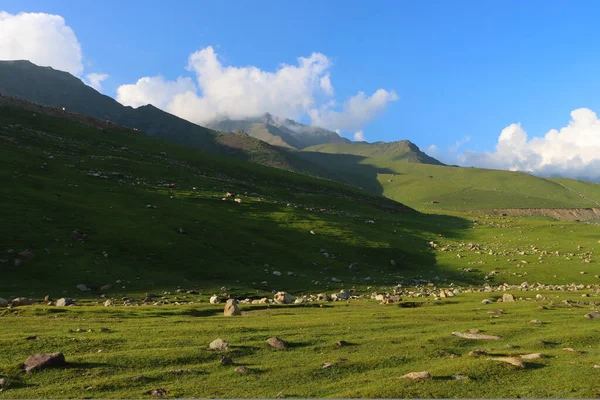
(437, 187)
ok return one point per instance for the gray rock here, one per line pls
(105, 288)
(592, 315)
(231, 308)
(23, 301)
(159, 392)
(18, 262)
(283, 298)
(218, 345)
(40, 361)
(29, 255)
(277, 343)
(475, 336)
(3, 302)
(417, 376)
(508, 298)
(65, 301)
(226, 361)
(242, 369)
(82, 288)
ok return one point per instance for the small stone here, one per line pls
(475, 336)
(218, 345)
(108, 303)
(231, 308)
(29, 255)
(105, 288)
(460, 377)
(510, 360)
(3, 302)
(417, 376)
(3, 383)
(536, 321)
(277, 343)
(486, 301)
(532, 356)
(242, 369)
(63, 302)
(570, 349)
(82, 288)
(474, 331)
(226, 361)
(214, 299)
(41, 361)
(508, 298)
(326, 365)
(593, 315)
(160, 392)
(342, 343)
(477, 353)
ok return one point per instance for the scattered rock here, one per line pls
(283, 298)
(218, 345)
(63, 302)
(510, 360)
(532, 356)
(508, 298)
(29, 255)
(242, 369)
(326, 365)
(277, 343)
(105, 288)
(23, 301)
(83, 288)
(570, 349)
(41, 361)
(214, 299)
(592, 315)
(460, 377)
(226, 361)
(159, 392)
(3, 302)
(231, 308)
(108, 303)
(477, 353)
(417, 376)
(486, 301)
(342, 343)
(475, 336)
(473, 331)
(3, 383)
(536, 321)
(18, 262)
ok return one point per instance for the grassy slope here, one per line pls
(453, 188)
(226, 244)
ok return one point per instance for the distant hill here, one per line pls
(280, 132)
(402, 150)
(49, 87)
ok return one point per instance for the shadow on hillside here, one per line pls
(348, 169)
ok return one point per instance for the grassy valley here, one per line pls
(155, 229)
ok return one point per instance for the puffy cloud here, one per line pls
(95, 80)
(359, 136)
(291, 91)
(43, 39)
(572, 151)
(156, 91)
(356, 112)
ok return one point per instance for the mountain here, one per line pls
(49, 87)
(280, 132)
(402, 150)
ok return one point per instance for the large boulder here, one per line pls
(63, 302)
(231, 308)
(283, 298)
(41, 361)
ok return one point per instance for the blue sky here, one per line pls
(459, 69)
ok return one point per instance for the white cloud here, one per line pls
(95, 80)
(291, 91)
(356, 112)
(433, 150)
(43, 39)
(459, 144)
(359, 136)
(572, 151)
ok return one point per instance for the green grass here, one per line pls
(49, 189)
(386, 343)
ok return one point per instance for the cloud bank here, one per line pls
(43, 39)
(571, 151)
(291, 91)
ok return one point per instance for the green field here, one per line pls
(95, 207)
